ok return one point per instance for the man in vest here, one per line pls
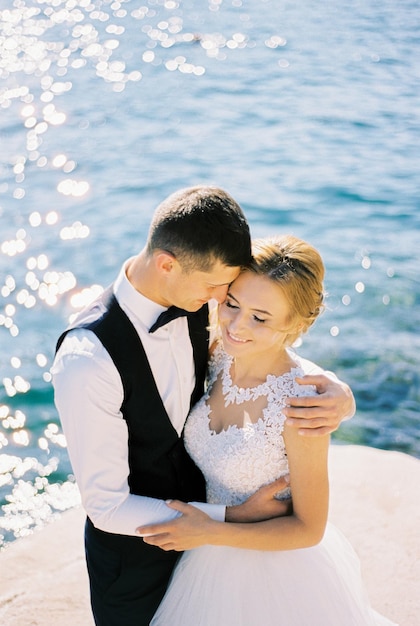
(125, 377)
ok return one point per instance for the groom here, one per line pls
(125, 377)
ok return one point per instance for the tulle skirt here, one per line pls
(222, 586)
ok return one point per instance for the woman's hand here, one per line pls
(192, 529)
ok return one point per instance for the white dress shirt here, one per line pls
(88, 395)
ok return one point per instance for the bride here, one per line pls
(296, 570)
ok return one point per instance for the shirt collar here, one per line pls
(133, 302)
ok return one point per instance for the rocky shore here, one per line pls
(374, 501)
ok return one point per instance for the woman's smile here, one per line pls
(235, 338)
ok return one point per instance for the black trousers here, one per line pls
(127, 577)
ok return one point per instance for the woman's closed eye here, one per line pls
(231, 305)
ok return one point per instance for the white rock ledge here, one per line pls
(374, 501)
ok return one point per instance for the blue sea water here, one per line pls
(307, 113)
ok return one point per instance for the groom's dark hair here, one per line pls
(199, 226)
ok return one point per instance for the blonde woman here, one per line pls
(296, 570)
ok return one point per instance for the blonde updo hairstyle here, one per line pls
(297, 268)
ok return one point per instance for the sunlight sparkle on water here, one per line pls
(41, 360)
(55, 284)
(35, 219)
(366, 262)
(33, 504)
(51, 218)
(43, 443)
(26, 299)
(52, 433)
(32, 281)
(86, 296)
(76, 231)
(52, 116)
(10, 421)
(16, 385)
(59, 160)
(21, 437)
(275, 41)
(70, 187)
(8, 287)
(42, 262)
(48, 285)
(42, 161)
(30, 52)
(13, 247)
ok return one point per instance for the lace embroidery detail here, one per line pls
(233, 393)
(237, 461)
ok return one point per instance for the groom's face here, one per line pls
(191, 289)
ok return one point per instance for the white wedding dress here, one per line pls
(223, 586)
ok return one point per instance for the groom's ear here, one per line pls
(165, 262)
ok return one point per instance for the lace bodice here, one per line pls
(237, 461)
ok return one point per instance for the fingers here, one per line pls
(161, 541)
(313, 410)
(305, 420)
(178, 505)
(316, 432)
(151, 529)
(319, 402)
(313, 427)
(280, 508)
(158, 535)
(279, 485)
(320, 381)
(155, 529)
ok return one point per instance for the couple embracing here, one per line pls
(220, 519)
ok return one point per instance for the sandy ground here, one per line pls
(374, 501)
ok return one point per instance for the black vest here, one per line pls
(159, 465)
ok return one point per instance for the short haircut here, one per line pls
(297, 268)
(200, 226)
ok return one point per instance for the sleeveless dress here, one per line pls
(224, 586)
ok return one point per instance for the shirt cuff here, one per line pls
(217, 512)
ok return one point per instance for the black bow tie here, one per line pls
(167, 316)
